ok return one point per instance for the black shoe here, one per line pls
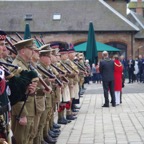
(52, 134)
(105, 105)
(56, 130)
(74, 114)
(74, 110)
(114, 105)
(56, 126)
(70, 117)
(62, 121)
(81, 93)
(68, 121)
(49, 139)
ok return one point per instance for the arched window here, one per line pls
(121, 46)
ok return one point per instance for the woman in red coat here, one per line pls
(118, 69)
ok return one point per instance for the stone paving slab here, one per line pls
(123, 124)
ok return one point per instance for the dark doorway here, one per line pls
(121, 46)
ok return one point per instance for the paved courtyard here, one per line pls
(123, 124)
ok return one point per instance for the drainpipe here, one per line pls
(132, 41)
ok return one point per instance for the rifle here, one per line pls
(65, 67)
(72, 68)
(42, 41)
(7, 64)
(13, 39)
(56, 79)
(58, 69)
(11, 50)
(11, 45)
(46, 72)
(47, 88)
(61, 71)
(19, 36)
(39, 43)
(79, 66)
(50, 74)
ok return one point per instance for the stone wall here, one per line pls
(77, 38)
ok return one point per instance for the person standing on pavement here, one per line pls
(107, 72)
(88, 67)
(23, 126)
(118, 70)
(136, 69)
(131, 64)
(98, 75)
(124, 63)
(140, 66)
(93, 73)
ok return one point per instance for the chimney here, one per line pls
(139, 8)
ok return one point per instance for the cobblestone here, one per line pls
(123, 124)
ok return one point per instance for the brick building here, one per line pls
(68, 21)
(136, 16)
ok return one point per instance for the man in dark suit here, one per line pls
(107, 72)
(140, 66)
(131, 64)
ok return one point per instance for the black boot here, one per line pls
(52, 134)
(49, 139)
(56, 126)
(56, 130)
(62, 121)
(70, 117)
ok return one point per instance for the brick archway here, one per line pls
(122, 45)
(77, 42)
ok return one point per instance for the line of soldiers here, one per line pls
(45, 80)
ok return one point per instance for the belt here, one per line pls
(3, 109)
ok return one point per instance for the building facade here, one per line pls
(68, 21)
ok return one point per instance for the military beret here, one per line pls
(63, 50)
(2, 35)
(71, 50)
(54, 45)
(28, 43)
